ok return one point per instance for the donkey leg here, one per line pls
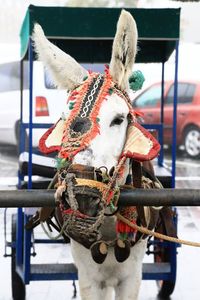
(91, 281)
(90, 290)
(129, 285)
(128, 289)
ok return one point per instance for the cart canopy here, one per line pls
(87, 33)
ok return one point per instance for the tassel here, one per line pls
(136, 80)
(61, 163)
(124, 228)
(129, 213)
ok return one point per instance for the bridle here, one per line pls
(80, 128)
(82, 124)
(76, 182)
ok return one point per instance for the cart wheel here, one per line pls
(18, 286)
(165, 287)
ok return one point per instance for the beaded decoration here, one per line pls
(82, 124)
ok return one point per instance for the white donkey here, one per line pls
(99, 135)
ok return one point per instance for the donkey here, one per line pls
(97, 139)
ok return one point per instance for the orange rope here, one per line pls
(156, 234)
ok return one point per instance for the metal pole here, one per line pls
(161, 154)
(27, 198)
(154, 197)
(175, 117)
(30, 53)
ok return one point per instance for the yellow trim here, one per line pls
(92, 184)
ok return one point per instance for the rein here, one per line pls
(106, 189)
(83, 200)
(141, 229)
(157, 234)
(108, 192)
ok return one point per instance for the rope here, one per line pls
(53, 181)
(119, 216)
(48, 233)
(107, 189)
(156, 234)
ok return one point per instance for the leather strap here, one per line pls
(165, 224)
(137, 183)
(136, 174)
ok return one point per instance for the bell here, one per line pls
(99, 252)
(122, 250)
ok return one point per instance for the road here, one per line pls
(187, 284)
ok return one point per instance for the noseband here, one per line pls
(84, 194)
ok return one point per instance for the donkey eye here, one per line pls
(117, 121)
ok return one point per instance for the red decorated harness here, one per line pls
(78, 130)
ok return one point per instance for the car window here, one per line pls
(149, 98)
(185, 93)
(10, 76)
(25, 75)
(48, 80)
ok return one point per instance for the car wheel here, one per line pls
(192, 142)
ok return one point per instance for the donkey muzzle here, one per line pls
(81, 204)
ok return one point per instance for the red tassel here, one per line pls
(130, 213)
(122, 227)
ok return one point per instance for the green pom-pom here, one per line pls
(84, 78)
(136, 80)
(110, 91)
(71, 105)
(61, 163)
(123, 236)
(97, 120)
(112, 207)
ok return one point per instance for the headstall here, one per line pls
(74, 185)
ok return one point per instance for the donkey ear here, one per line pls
(52, 138)
(124, 50)
(140, 143)
(65, 71)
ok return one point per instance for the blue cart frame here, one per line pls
(169, 41)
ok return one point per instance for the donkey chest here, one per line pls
(110, 271)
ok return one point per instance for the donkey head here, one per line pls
(100, 128)
(111, 116)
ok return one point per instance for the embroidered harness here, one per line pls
(78, 130)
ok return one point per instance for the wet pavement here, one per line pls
(188, 258)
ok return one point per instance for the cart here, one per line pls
(90, 41)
